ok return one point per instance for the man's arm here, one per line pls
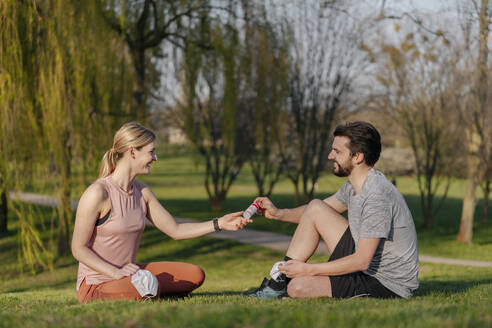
(270, 211)
(333, 202)
(358, 261)
(293, 215)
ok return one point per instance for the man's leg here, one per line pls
(310, 287)
(318, 219)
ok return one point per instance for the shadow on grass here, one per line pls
(45, 286)
(429, 287)
(201, 246)
(223, 293)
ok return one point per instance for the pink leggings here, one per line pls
(175, 279)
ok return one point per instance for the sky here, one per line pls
(424, 5)
(435, 10)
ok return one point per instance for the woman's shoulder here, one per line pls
(140, 185)
(96, 192)
(144, 190)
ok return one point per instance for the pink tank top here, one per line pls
(116, 240)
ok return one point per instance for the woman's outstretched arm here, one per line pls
(165, 222)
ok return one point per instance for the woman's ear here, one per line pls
(132, 152)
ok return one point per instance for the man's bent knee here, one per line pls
(309, 287)
(316, 204)
(319, 210)
(312, 210)
(296, 288)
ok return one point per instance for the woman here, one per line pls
(111, 217)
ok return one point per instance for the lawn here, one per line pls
(449, 296)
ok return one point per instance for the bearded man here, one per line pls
(373, 253)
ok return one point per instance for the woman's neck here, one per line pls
(123, 176)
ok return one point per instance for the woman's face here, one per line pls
(144, 157)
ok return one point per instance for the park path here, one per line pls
(266, 239)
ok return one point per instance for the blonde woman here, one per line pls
(111, 217)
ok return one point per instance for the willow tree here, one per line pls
(19, 129)
(76, 80)
(82, 84)
(20, 133)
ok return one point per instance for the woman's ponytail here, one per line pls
(108, 163)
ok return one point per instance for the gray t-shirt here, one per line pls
(380, 211)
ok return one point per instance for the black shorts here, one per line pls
(357, 283)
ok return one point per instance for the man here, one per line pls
(373, 254)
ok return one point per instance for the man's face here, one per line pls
(341, 157)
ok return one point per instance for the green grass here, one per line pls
(449, 296)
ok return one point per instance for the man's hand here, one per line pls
(295, 268)
(233, 221)
(126, 270)
(267, 209)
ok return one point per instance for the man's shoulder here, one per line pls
(378, 183)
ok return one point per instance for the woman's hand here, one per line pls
(233, 221)
(267, 209)
(126, 270)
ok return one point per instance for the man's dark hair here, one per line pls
(364, 138)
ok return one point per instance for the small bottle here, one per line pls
(250, 211)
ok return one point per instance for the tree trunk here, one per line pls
(65, 208)
(216, 202)
(297, 193)
(140, 94)
(428, 220)
(469, 201)
(428, 204)
(485, 203)
(3, 212)
(474, 173)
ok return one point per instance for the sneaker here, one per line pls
(267, 292)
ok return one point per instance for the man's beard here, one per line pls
(342, 171)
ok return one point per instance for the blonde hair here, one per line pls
(129, 135)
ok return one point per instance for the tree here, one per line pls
(264, 71)
(325, 61)
(477, 118)
(212, 113)
(419, 87)
(144, 25)
(486, 192)
(70, 85)
(17, 106)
